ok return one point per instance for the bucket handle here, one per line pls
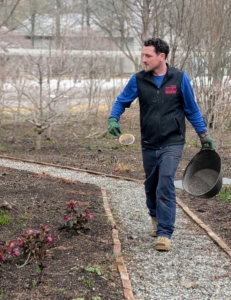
(207, 146)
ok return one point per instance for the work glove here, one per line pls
(206, 141)
(114, 127)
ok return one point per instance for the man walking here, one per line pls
(165, 98)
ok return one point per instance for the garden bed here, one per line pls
(80, 264)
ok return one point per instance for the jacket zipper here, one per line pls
(158, 116)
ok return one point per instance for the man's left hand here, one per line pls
(206, 141)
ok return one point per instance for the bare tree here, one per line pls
(49, 90)
(199, 45)
(7, 10)
(213, 55)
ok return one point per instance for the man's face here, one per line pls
(151, 60)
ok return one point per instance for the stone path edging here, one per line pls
(127, 286)
(126, 283)
(206, 228)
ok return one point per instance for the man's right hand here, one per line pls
(114, 127)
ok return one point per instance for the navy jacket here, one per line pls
(162, 118)
(162, 108)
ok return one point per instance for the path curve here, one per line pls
(187, 241)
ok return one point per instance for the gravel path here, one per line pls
(195, 268)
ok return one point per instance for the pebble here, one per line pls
(195, 268)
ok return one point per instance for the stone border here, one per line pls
(117, 245)
(126, 283)
(206, 228)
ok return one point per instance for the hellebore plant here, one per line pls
(75, 220)
(8, 250)
(40, 271)
(35, 243)
(40, 274)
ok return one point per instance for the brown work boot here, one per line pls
(163, 243)
(154, 226)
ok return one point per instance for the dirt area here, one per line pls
(81, 263)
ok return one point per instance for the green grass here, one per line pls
(2, 147)
(61, 153)
(4, 218)
(88, 282)
(93, 270)
(191, 143)
(225, 193)
(5, 127)
(92, 147)
(22, 134)
(2, 294)
(135, 147)
(24, 217)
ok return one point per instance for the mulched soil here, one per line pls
(42, 200)
(81, 263)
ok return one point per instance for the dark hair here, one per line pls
(159, 45)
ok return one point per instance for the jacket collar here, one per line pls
(149, 75)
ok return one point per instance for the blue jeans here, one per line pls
(160, 167)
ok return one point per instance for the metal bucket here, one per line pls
(203, 176)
